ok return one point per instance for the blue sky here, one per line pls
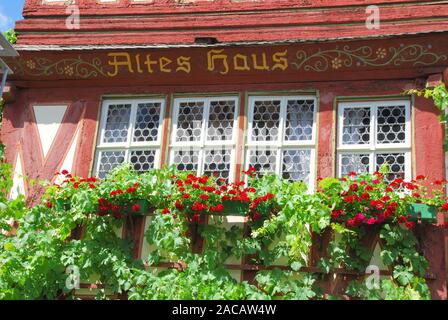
(10, 11)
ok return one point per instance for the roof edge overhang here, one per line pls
(33, 47)
(6, 49)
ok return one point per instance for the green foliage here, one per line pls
(11, 36)
(439, 95)
(34, 260)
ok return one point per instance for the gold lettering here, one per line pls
(281, 62)
(183, 64)
(137, 62)
(149, 63)
(213, 55)
(264, 65)
(116, 63)
(243, 59)
(164, 63)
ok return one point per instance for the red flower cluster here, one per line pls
(202, 195)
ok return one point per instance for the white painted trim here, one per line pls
(374, 148)
(204, 144)
(129, 145)
(281, 144)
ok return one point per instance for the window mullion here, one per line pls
(205, 120)
(373, 126)
(132, 120)
(282, 132)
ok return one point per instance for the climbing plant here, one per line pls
(439, 94)
(282, 217)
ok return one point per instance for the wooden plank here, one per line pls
(236, 20)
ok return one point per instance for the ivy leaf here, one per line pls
(388, 257)
(403, 276)
(296, 266)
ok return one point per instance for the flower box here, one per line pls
(234, 208)
(424, 212)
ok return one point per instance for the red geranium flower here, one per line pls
(204, 197)
(369, 188)
(195, 186)
(352, 174)
(203, 180)
(349, 199)
(410, 225)
(225, 198)
(166, 211)
(219, 207)
(49, 205)
(186, 196)
(179, 205)
(354, 187)
(359, 217)
(256, 216)
(92, 186)
(335, 214)
(445, 206)
(371, 221)
(64, 172)
(401, 219)
(130, 190)
(250, 171)
(364, 196)
(421, 177)
(115, 208)
(350, 223)
(136, 208)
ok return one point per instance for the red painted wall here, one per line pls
(181, 21)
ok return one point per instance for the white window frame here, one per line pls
(202, 145)
(282, 144)
(373, 148)
(129, 145)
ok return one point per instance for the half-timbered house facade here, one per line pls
(304, 89)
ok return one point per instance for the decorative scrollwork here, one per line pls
(322, 60)
(72, 68)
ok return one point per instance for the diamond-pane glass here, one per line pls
(143, 160)
(396, 163)
(296, 165)
(266, 121)
(221, 118)
(263, 160)
(117, 123)
(217, 163)
(359, 163)
(391, 126)
(356, 126)
(147, 122)
(186, 159)
(189, 121)
(299, 120)
(108, 161)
